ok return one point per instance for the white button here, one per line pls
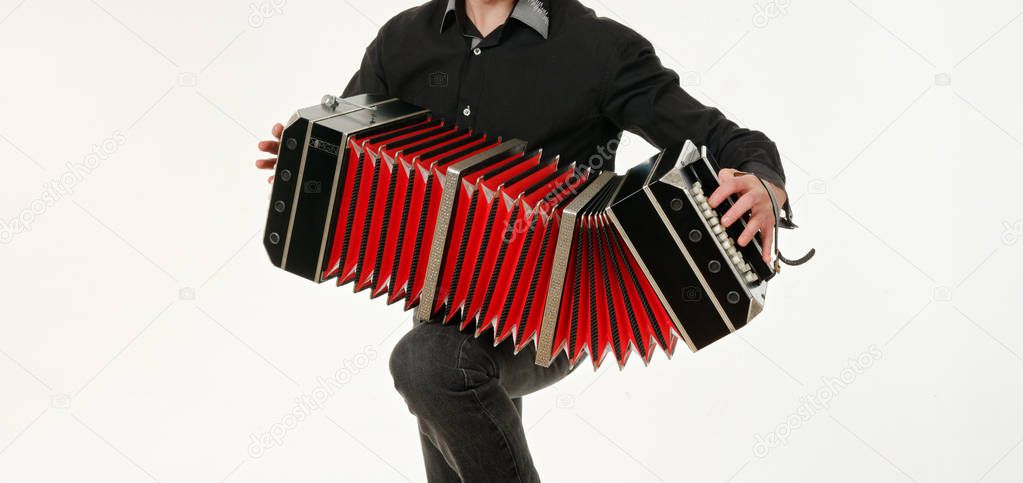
(467, 111)
(477, 51)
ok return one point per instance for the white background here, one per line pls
(144, 336)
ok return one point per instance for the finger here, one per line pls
(267, 163)
(752, 227)
(724, 189)
(277, 130)
(271, 147)
(740, 207)
(767, 236)
(729, 185)
(725, 173)
(270, 179)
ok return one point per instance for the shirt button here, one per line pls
(477, 51)
(467, 111)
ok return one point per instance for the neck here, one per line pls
(487, 15)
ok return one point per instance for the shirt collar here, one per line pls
(533, 13)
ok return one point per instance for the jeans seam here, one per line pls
(483, 409)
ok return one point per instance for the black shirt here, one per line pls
(555, 75)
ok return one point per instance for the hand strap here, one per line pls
(785, 223)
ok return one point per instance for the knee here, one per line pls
(406, 366)
(423, 366)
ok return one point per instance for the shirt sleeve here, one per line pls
(644, 97)
(370, 77)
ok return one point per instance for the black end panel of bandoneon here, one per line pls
(660, 254)
(684, 219)
(307, 231)
(317, 180)
(282, 195)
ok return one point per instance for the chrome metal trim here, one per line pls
(653, 169)
(317, 276)
(755, 307)
(329, 222)
(440, 233)
(298, 191)
(332, 102)
(650, 278)
(301, 173)
(562, 251)
(690, 154)
(689, 258)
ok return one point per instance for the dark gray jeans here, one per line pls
(467, 396)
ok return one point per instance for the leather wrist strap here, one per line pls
(782, 222)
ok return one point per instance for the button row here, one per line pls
(732, 252)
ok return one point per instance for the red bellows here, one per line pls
(502, 233)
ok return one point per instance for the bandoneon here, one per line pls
(494, 234)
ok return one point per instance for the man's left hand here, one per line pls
(753, 198)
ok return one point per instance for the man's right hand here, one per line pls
(272, 146)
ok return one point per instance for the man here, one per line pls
(552, 73)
